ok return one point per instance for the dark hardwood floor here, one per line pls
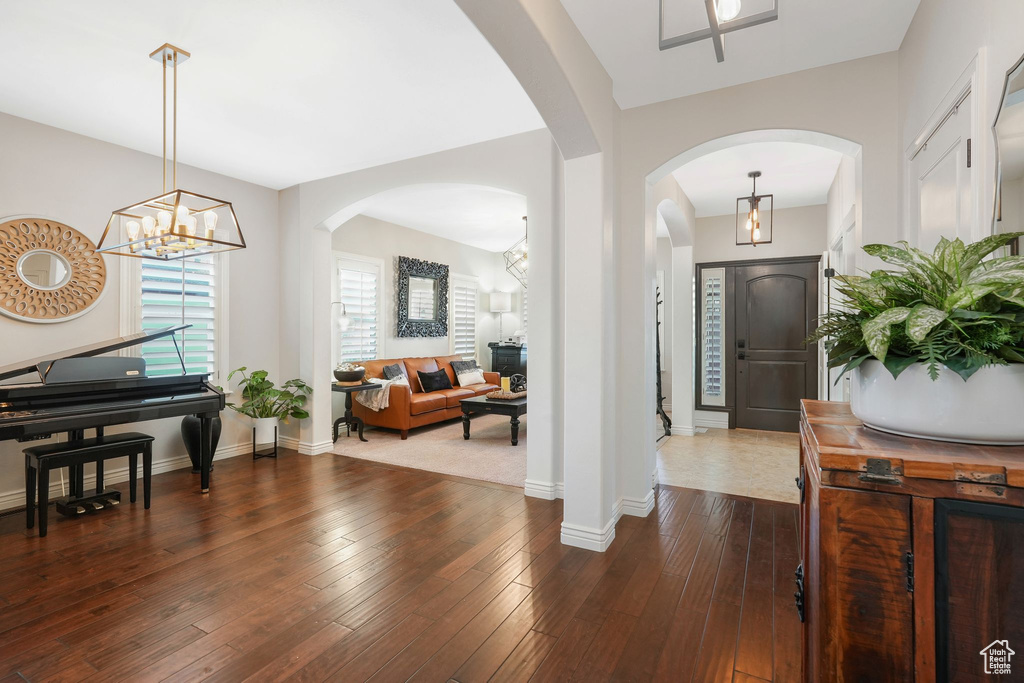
(328, 568)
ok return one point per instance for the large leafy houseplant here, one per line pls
(262, 399)
(950, 308)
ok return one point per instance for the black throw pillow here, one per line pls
(434, 381)
(392, 371)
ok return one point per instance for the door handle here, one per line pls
(741, 355)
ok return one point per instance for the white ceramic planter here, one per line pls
(986, 409)
(265, 429)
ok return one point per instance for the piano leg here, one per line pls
(30, 495)
(99, 477)
(205, 452)
(44, 497)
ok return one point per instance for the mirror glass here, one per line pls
(1009, 132)
(422, 298)
(44, 269)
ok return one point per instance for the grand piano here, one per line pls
(78, 390)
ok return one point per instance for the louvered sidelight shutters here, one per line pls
(359, 289)
(712, 332)
(464, 305)
(175, 293)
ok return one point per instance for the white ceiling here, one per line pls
(795, 173)
(808, 33)
(482, 217)
(275, 93)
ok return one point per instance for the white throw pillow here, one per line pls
(471, 377)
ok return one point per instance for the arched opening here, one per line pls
(818, 176)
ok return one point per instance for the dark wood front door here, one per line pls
(775, 311)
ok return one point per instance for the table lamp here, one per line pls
(501, 302)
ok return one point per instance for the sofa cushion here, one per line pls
(453, 396)
(434, 381)
(393, 371)
(375, 368)
(481, 389)
(424, 403)
(416, 365)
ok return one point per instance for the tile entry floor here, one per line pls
(741, 462)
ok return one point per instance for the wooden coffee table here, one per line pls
(482, 404)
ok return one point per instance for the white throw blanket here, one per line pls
(379, 399)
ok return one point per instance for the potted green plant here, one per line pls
(936, 347)
(267, 404)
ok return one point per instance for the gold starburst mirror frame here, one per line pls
(49, 272)
(178, 223)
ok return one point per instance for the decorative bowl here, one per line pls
(349, 375)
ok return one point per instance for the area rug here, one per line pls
(488, 455)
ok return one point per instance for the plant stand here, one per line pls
(266, 451)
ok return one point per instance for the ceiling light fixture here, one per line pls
(750, 214)
(727, 10)
(176, 224)
(723, 17)
(516, 256)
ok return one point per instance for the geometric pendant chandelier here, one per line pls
(754, 216)
(177, 223)
(517, 256)
(723, 17)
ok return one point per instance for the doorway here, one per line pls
(753, 318)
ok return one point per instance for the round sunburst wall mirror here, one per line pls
(49, 272)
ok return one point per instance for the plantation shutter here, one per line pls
(464, 305)
(359, 290)
(175, 293)
(712, 332)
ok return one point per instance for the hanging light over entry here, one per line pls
(754, 215)
(178, 223)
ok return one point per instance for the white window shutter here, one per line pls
(464, 307)
(176, 293)
(359, 289)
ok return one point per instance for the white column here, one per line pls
(313, 298)
(682, 341)
(589, 367)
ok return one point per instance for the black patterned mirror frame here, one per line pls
(414, 267)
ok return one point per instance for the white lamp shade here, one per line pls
(501, 302)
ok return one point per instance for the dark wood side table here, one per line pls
(482, 404)
(348, 419)
(507, 360)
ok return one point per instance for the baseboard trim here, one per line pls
(544, 489)
(306, 448)
(638, 507)
(289, 442)
(711, 419)
(16, 499)
(589, 538)
(683, 431)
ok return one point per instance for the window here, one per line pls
(464, 309)
(176, 293)
(712, 332)
(359, 288)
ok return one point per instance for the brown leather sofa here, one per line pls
(409, 406)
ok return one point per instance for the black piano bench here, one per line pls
(39, 460)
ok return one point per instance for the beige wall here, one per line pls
(943, 38)
(378, 239)
(77, 180)
(799, 231)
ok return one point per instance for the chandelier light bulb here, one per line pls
(148, 225)
(754, 215)
(163, 219)
(727, 10)
(210, 222)
(757, 232)
(132, 227)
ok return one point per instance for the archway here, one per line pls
(660, 182)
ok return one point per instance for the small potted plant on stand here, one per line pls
(267, 405)
(936, 349)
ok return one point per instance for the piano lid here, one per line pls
(99, 348)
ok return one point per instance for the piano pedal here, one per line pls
(79, 510)
(111, 502)
(96, 505)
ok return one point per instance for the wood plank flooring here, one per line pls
(329, 568)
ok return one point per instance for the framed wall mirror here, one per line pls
(422, 298)
(49, 272)
(1009, 135)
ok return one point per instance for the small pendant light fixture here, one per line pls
(754, 214)
(516, 257)
(178, 223)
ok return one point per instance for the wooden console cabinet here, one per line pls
(912, 553)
